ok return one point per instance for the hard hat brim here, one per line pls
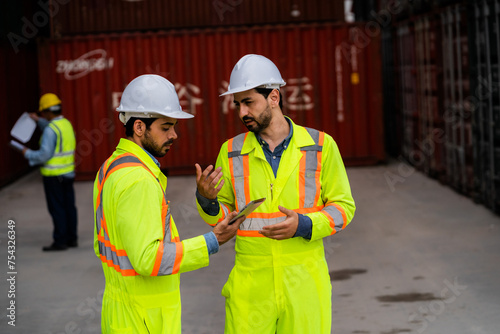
(179, 115)
(124, 115)
(244, 89)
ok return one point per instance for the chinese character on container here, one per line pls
(296, 94)
(227, 101)
(188, 97)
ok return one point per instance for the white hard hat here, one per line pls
(150, 95)
(253, 71)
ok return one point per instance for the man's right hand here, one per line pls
(225, 232)
(207, 180)
(34, 116)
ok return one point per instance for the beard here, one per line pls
(156, 150)
(261, 123)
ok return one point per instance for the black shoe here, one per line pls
(72, 244)
(54, 247)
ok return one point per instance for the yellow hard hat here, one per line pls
(48, 100)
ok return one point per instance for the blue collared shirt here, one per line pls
(304, 229)
(210, 238)
(274, 157)
(47, 146)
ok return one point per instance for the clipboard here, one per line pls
(24, 128)
(247, 209)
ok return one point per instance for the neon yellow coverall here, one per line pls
(282, 286)
(138, 243)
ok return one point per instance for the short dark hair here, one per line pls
(129, 127)
(266, 91)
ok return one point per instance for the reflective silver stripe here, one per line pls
(256, 224)
(101, 173)
(310, 178)
(169, 249)
(225, 209)
(312, 166)
(233, 154)
(239, 178)
(122, 261)
(52, 126)
(168, 258)
(123, 160)
(335, 213)
(314, 134)
(99, 216)
(58, 166)
(64, 154)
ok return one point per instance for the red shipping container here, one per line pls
(332, 74)
(84, 16)
(18, 93)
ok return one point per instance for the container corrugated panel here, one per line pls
(429, 140)
(392, 114)
(434, 76)
(457, 112)
(333, 84)
(83, 16)
(18, 93)
(407, 82)
(484, 25)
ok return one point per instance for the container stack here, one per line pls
(456, 107)
(447, 85)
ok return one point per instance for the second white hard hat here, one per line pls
(253, 71)
(150, 95)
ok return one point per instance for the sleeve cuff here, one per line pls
(304, 229)
(209, 206)
(212, 243)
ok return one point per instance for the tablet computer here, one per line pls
(247, 209)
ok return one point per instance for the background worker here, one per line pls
(135, 234)
(57, 157)
(280, 281)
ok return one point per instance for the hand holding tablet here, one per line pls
(247, 209)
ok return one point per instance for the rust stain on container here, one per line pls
(317, 61)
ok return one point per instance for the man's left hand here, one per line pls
(207, 180)
(284, 230)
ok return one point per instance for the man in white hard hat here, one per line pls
(135, 235)
(56, 156)
(280, 282)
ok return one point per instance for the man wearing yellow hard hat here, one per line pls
(56, 156)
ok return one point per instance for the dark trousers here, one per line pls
(60, 197)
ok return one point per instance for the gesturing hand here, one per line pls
(207, 180)
(284, 230)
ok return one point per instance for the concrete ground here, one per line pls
(417, 258)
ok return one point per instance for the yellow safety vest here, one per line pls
(138, 243)
(311, 180)
(270, 276)
(63, 159)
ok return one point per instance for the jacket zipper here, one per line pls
(271, 192)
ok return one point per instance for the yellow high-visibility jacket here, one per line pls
(311, 180)
(63, 159)
(137, 241)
